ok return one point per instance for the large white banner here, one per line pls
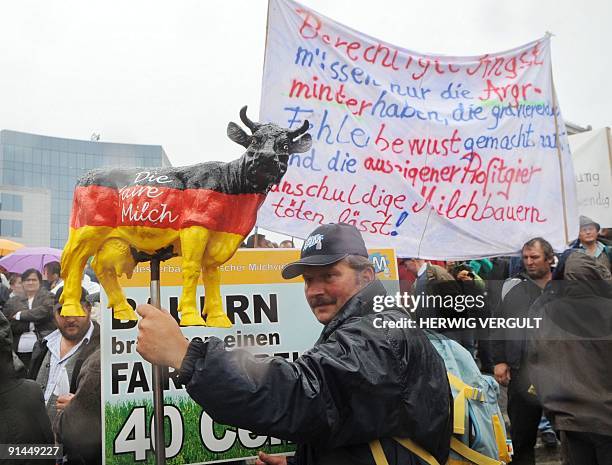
(437, 156)
(592, 154)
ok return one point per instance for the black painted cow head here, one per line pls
(268, 149)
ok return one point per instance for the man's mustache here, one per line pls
(71, 325)
(320, 300)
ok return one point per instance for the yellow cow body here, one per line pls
(202, 251)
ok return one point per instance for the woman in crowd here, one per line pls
(30, 314)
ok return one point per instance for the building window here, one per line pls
(11, 203)
(11, 228)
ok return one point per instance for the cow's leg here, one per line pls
(112, 260)
(221, 247)
(193, 242)
(82, 244)
(213, 308)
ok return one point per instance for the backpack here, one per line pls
(479, 432)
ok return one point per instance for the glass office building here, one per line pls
(38, 164)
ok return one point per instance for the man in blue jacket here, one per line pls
(357, 384)
(588, 242)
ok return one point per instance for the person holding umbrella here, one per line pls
(30, 315)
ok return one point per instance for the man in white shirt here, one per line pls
(57, 359)
(51, 274)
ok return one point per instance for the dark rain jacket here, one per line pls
(508, 345)
(570, 354)
(5, 295)
(23, 417)
(357, 383)
(41, 314)
(83, 413)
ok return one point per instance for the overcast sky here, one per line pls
(175, 72)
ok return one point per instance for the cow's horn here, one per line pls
(299, 131)
(247, 122)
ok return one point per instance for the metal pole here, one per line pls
(158, 370)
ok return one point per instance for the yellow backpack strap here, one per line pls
(464, 391)
(472, 455)
(470, 392)
(500, 439)
(378, 452)
(417, 450)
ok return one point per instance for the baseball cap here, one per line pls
(327, 245)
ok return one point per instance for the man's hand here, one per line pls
(160, 340)
(465, 275)
(502, 373)
(267, 459)
(63, 401)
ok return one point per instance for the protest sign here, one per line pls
(270, 316)
(592, 154)
(442, 157)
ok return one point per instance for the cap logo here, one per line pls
(315, 240)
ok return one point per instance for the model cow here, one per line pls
(203, 212)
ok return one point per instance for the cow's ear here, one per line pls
(235, 133)
(301, 145)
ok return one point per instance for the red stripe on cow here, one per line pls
(160, 207)
(94, 206)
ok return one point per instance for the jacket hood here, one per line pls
(583, 275)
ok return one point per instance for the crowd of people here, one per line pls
(349, 388)
(558, 384)
(259, 241)
(50, 367)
